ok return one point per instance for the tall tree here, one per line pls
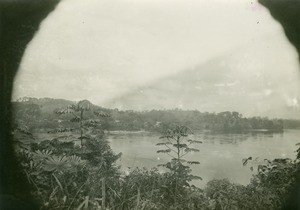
(77, 110)
(177, 146)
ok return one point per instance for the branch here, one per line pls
(171, 149)
(183, 155)
(170, 155)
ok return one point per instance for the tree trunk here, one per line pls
(103, 193)
(81, 132)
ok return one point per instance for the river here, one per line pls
(220, 155)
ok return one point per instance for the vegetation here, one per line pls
(80, 108)
(177, 146)
(69, 175)
(39, 114)
(66, 176)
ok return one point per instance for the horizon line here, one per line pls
(148, 110)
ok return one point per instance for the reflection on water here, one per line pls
(220, 155)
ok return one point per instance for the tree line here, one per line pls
(38, 114)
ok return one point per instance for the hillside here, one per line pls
(40, 114)
(46, 105)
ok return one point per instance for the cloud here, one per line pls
(210, 55)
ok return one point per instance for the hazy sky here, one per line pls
(214, 55)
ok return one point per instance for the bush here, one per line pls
(70, 176)
(64, 174)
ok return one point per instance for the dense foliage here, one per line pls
(79, 170)
(67, 176)
(40, 113)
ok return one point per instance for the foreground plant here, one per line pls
(77, 110)
(67, 176)
(177, 146)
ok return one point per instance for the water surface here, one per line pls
(220, 155)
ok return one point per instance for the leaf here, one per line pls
(193, 162)
(66, 110)
(245, 161)
(180, 145)
(32, 165)
(262, 168)
(44, 152)
(91, 123)
(75, 119)
(191, 150)
(164, 151)
(84, 205)
(160, 144)
(74, 160)
(58, 182)
(56, 163)
(83, 137)
(62, 130)
(194, 141)
(180, 160)
(101, 114)
(64, 199)
(42, 155)
(195, 177)
(84, 105)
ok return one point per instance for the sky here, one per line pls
(217, 55)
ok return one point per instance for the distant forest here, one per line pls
(40, 114)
